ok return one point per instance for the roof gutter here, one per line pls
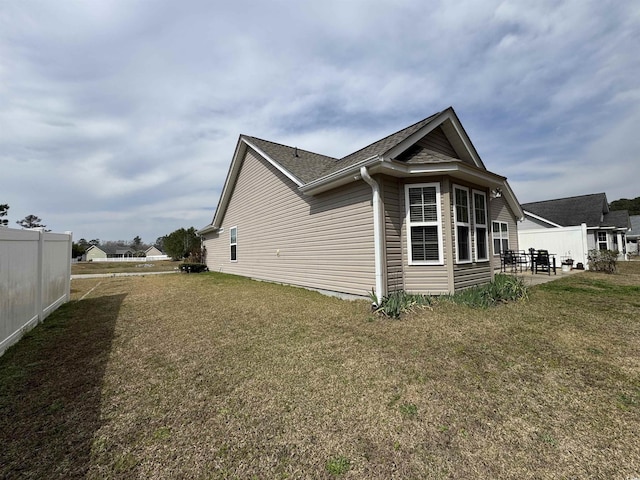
(339, 177)
(378, 234)
(208, 229)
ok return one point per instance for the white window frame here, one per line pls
(480, 225)
(437, 223)
(233, 243)
(606, 240)
(500, 237)
(461, 223)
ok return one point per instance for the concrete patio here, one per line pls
(539, 278)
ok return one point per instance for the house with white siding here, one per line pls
(549, 221)
(417, 210)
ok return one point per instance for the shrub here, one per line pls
(399, 302)
(603, 260)
(503, 289)
(193, 267)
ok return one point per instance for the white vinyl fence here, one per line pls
(565, 242)
(35, 279)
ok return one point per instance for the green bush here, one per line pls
(399, 302)
(193, 267)
(503, 289)
(603, 260)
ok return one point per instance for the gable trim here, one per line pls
(232, 175)
(282, 170)
(537, 217)
(444, 116)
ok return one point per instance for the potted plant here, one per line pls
(567, 264)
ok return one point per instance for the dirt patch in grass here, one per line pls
(215, 376)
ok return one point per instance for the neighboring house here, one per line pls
(417, 210)
(633, 234)
(153, 251)
(95, 252)
(602, 229)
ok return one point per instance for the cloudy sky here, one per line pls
(120, 118)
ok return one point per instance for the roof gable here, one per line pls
(304, 165)
(589, 209)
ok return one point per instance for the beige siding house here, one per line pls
(417, 210)
(153, 251)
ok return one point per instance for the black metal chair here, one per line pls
(508, 258)
(542, 262)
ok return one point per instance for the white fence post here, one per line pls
(40, 287)
(68, 276)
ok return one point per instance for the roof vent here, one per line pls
(295, 154)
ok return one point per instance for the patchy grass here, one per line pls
(216, 376)
(123, 267)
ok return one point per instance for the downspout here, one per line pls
(378, 233)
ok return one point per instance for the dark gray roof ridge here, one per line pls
(565, 198)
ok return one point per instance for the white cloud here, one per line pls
(120, 119)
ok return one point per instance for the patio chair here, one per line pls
(542, 262)
(522, 260)
(508, 259)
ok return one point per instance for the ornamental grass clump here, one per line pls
(399, 302)
(503, 289)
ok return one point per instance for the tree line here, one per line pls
(632, 205)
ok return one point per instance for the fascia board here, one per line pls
(513, 202)
(413, 138)
(542, 219)
(448, 114)
(232, 175)
(339, 177)
(444, 168)
(207, 229)
(283, 170)
(397, 169)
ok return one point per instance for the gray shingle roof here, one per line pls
(572, 210)
(635, 225)
(381, 146)
(306, 166)
(590, 209)
(617, 218)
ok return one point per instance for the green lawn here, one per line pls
(216, 376)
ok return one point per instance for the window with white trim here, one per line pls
(500, 234)
(233, 242)
(480, 221)
(462, 224)
(602, 241)
(423, 223)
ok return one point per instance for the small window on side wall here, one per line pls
(233, 241)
